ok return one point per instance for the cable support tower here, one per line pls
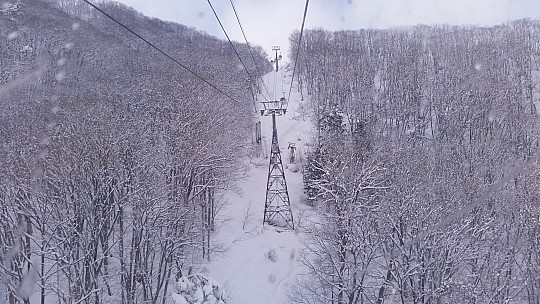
(160, 50)
(276, 61)
(299, 48)
(277, 206)
(235, 51)
(257, 67)
(276, 48)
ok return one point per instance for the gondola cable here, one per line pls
(234, 49)
(249, 49)
(298, 51)
(160, 50)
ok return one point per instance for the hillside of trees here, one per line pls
(425, 170)
(111, 155)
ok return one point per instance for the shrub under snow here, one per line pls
(198, 289)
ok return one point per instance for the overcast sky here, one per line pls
(269, 22)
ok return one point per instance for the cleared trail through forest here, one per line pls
(260, 262)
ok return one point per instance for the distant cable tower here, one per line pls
(278, 57)
(277, 208)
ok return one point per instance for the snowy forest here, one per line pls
(425, 171)
(421, 181)
(110, 156)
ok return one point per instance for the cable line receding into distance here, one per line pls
(249, 49)
(159, 50)
(298, 51)
(234, 49)
(282, 85)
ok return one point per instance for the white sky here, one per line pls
(270, 22)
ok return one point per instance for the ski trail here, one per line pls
(260, 268)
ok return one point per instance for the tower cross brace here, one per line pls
(277, 207)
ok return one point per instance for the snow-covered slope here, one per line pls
(261, 261)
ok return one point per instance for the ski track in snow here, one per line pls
(261, 263)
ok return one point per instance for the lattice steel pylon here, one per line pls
(277, 207)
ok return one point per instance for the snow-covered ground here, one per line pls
(261, 261)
